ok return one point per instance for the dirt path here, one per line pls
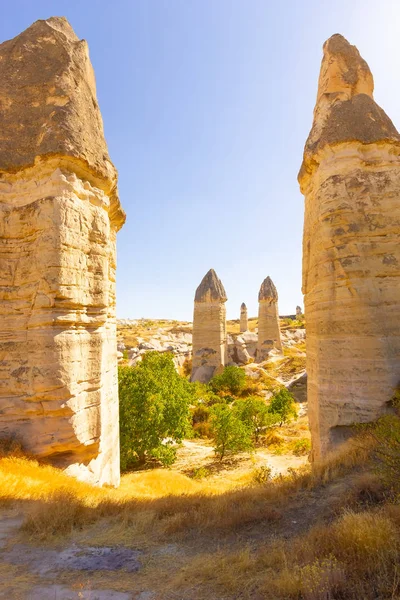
(195, 454)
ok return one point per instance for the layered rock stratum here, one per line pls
(59, 215)
(209, 328)
(244, 325)
(269, 335)
(350, 178)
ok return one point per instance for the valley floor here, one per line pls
(169, 534)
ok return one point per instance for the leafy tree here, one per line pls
(231, 381)
(230, 434)
(283, 406)
(154, 410)
(254, 412)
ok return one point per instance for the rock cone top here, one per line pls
(243, 306)
(268, 291)
(49, 109)
(345, 110)
(210, 289)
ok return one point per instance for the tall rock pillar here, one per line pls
(269, 333)
(244, 325)
(59, 215)
(209, 328)
(350, 178)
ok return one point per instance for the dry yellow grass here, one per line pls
(169, 502)
(354, 557)
(350, 557)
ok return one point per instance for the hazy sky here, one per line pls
(206, 107)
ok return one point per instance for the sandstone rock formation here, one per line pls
(350, 177)
(59, 215)
(243, 318)
(298, 312)
(269, 335)
(209, 328)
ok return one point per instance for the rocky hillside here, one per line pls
(136, 337)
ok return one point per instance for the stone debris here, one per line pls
(59, 216)
(350, 178)
(209, 328)
(269, 336)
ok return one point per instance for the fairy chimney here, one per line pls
(243, 318)
(59, 216)
(209, 328)
(269, 335)
(350, 178)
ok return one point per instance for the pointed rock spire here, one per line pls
(59, 204)
(350, 178)
(345, 109)
(209, 329)
(268, 291)
(243, 318)
(210, 289)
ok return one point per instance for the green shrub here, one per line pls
(230, 434)
(202, 394)
(154, 410)
(301, 447)
(262, 474)
(200, 473)
(386, 432)
(254, 412)
(231, 381)
(283, 406)
(201, 421)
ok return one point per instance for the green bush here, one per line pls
(386, 433)
(262, 475)
(283, 406)
(154, 410)
(231, 381)
(254, 412)
(301, 447)
(200, 414)
(230, 434)
(203, 394)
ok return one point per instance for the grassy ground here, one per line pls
(316, 533)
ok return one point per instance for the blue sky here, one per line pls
(206, 107)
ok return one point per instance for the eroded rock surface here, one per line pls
(244, 325)
(59, 215)
(269, 336)
(209, 328)
(350, 177)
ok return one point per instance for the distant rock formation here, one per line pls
(350, 177)
(269, 335)
(299, 312)
(209, 328)
(243, 318)
(59, 215)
